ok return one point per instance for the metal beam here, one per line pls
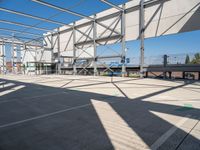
(95, 46)
(142, 28)
(112, 5)
(12, 54)
(33, 17)
(98, 20)
(21, 37)
(62, 9)
(24, 25)
(74, 50)
(18, 37)
(52, 54)
(18, 42)
(99, 40)
(101, 57)
(123, 42)
(59, 61)
(21, 32)
(71, 12)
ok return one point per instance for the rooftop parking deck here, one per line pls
(58, 112)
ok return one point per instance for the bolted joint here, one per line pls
(123, 59)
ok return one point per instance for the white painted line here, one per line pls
(6, 85)
(43, 116)
(32, 97)
(11, 90)
(167, 134)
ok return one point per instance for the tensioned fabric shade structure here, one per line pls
(136, 19)
(143, 19)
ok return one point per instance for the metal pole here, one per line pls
(123, 26)
(26, 64)
(12, 53)
(141, 38)
(3, 53)
(95, 45)
(59, 63)
(52, 54)
(15, 58)
(37, 64)
(74, 49)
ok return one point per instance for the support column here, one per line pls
(142, 38)
(37, 71)
(123, 42)
(59, 63)
(165, 61)
(3, 55)
(52, 54)
(74, 49)
(12, 53)
(22, 59)
(95, 46)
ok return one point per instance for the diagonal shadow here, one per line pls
(187, 24)
(82, 128)
(192, 22)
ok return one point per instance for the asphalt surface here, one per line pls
(92, 113)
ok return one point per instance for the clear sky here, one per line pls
(172, 44)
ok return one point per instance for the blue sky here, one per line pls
(187, 42)
(172, 44)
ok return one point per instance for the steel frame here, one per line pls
(17, 31)
(142, 29)
(94, 40)
(24, 25)
(31, 16)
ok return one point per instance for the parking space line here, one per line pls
(12, 90)
(49, 114)
(32, 97)
(187, 135)
(167, 134)
(43, 116)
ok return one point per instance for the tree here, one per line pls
(187, 59)
(196, 59)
